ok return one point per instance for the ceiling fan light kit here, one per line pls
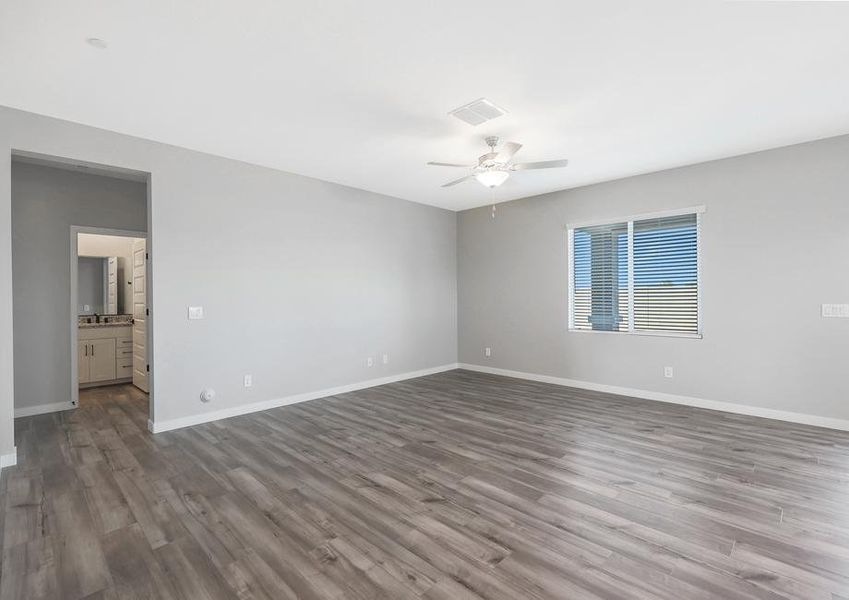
(492, 177)
(494, 167)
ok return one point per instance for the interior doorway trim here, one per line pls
(74, 316)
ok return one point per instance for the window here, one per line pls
(638, 275)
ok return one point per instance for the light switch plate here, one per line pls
(835, 311)
(196, 312)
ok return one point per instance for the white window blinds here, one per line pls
(637, 276)
(600, 298)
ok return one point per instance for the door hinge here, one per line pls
(146, 256)
(147, 368)
(147, 312)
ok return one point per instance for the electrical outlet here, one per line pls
(249, 380)
(385, 359)
(196, 312)
(487, 352)
(86, 307)
(667, 372)
(370, 362)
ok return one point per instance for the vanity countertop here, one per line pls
(97, 325)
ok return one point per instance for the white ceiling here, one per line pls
(357, 91)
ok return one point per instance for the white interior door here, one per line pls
(140, 365)
(111, 286)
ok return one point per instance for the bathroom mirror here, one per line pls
(98, 289)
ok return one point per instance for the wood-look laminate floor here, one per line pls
(456, 486)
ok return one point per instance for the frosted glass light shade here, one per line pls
(492, 178)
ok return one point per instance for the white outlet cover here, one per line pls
(249, 380)
(667, 372)
(196, 312)
(385, 359)
(487, 351)
(369, 362)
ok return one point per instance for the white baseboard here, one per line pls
(9, 460)
(729, 407)
(226, 413)
(28, 411)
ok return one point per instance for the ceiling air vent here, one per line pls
(477, 112)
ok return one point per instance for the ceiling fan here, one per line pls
(495, 166)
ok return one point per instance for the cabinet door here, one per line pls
(82, 362)
(102, 359)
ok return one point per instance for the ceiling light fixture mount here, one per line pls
(96, 43)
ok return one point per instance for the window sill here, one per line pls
(669, 334)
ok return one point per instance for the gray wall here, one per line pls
(45, 203)
(301, 279)
(90, 273)
(775, 242)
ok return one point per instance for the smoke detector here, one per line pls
(477, 112)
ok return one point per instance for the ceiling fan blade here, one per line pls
(442, 164)
(487, 158)
(456, 181)
(543, 164)
(508, 150)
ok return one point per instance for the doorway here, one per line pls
(109, 312)
(51, 195)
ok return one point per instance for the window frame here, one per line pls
(629, 220)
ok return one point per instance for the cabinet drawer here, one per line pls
(124, 370)
(125, 342)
